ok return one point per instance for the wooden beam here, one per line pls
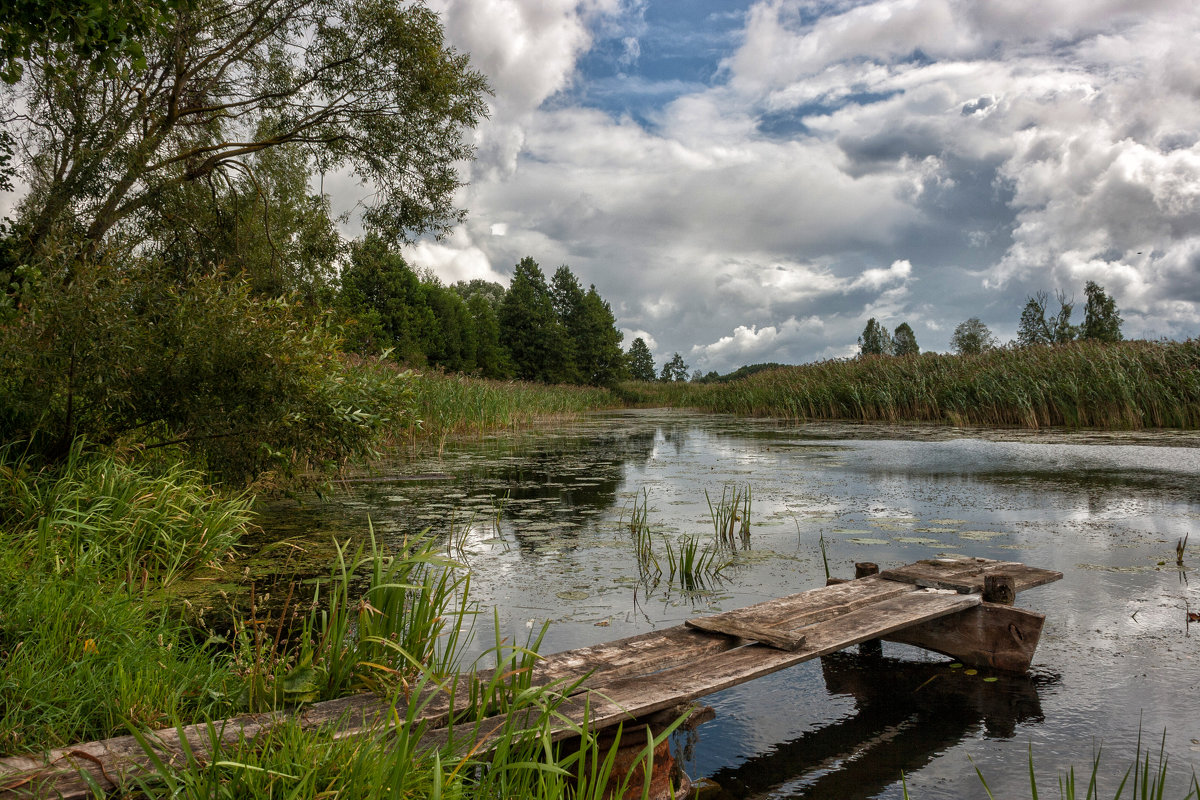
(989, 635)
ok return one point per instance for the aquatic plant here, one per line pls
(695, 565)
(1084, 384)
(639, 526)
(1149, 782)
(733, 508)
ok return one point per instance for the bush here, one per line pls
(127, 355)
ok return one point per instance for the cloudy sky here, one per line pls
(752, 181)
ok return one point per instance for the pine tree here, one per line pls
(598, 357)
(536, 340)
(639, 361)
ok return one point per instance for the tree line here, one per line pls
(1037, 326)
(554, 332)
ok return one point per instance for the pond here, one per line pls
(541, 518)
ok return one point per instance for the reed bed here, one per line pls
(1123, 386)
(444, 405)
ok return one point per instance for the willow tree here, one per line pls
(368, 86)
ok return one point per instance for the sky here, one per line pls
(753, 181)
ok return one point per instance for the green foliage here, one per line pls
(537, 340)
(104, 35)
(972, 337)
(1085, 384)
(86, 646)
(674, 370)
(245, 384)
(339, 84)
(1034, 328)
(103, 516)
(904, 341)
(875, 340)
(1101, 321)
(259, 223)
(639, 361)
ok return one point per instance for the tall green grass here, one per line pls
(87, 645)
(1127, 385)
(444, 405)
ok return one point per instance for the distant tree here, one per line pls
(1032, 329)
(697, 376)
(567, 297)
(1035, 328)
(639, 361)
(453, 343)
(529, 327)
(674, 370)
(904, 341)
(1100, 318)
(491, 357)
(384, 299)
(875, 340)
(597, 343)
(492, 292)
(972, 337)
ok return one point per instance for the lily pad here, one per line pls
(573, 594)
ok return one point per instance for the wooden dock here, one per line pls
(936, 604)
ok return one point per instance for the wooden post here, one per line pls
(999, 589)
(864, 569)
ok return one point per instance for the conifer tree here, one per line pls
(639, 361)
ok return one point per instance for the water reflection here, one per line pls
(905, 714)
(542, 521)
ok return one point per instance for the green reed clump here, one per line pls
(1146, 778)
(450, 404)
(125, 521)
(86, 642)
(639, 526)
(731, 515)
(1085, 384)
(694, 564)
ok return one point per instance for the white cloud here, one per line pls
(932, 160)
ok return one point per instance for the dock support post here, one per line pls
(999, 589)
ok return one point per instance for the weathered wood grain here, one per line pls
(989, 635)
(627, 699)
(741, 630)
(967, 574)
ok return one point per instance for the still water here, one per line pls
(540, 519)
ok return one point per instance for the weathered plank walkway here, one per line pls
(934, 604)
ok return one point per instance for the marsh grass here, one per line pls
(1145, 779)
(731, 516)
(1086, 384)
(142, 528)
(447, 405)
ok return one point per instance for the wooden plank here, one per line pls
(989, 635)
(967, 574)
(628, 699)
(732, 627)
